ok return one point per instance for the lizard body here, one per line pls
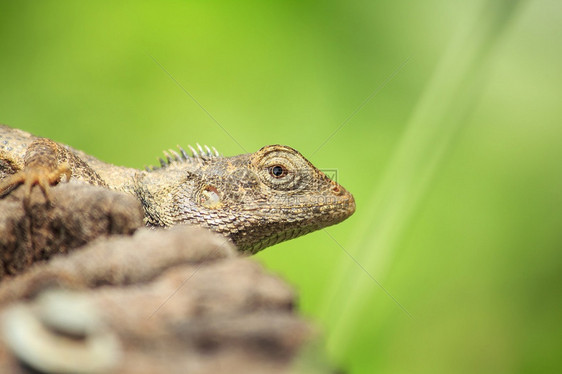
(256, 199)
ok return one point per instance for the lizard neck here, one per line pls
(155, 190)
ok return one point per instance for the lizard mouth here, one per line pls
(307, 206)
(294, 221)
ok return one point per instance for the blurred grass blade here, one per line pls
(440, 113)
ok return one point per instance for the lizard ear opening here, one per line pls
(209, 197)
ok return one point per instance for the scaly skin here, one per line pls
(256, 200)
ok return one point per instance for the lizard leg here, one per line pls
(41, 167)
(10, 183)
(44, 178)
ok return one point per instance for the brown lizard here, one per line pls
(256, 199)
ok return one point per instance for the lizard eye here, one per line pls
(278, 171)
(281, 170)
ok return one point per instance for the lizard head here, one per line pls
(257, 199)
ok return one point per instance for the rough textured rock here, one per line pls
(153, 301)
(77, 214)
(120, 261)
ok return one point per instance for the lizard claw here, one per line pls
(30, 177)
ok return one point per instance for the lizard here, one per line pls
(255, 199)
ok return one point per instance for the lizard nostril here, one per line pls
(336, 189)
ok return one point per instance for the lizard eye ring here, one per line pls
(278, 171)
(282, 170)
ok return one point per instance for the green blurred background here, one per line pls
(444, 119)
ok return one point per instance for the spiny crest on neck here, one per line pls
(172, 157)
